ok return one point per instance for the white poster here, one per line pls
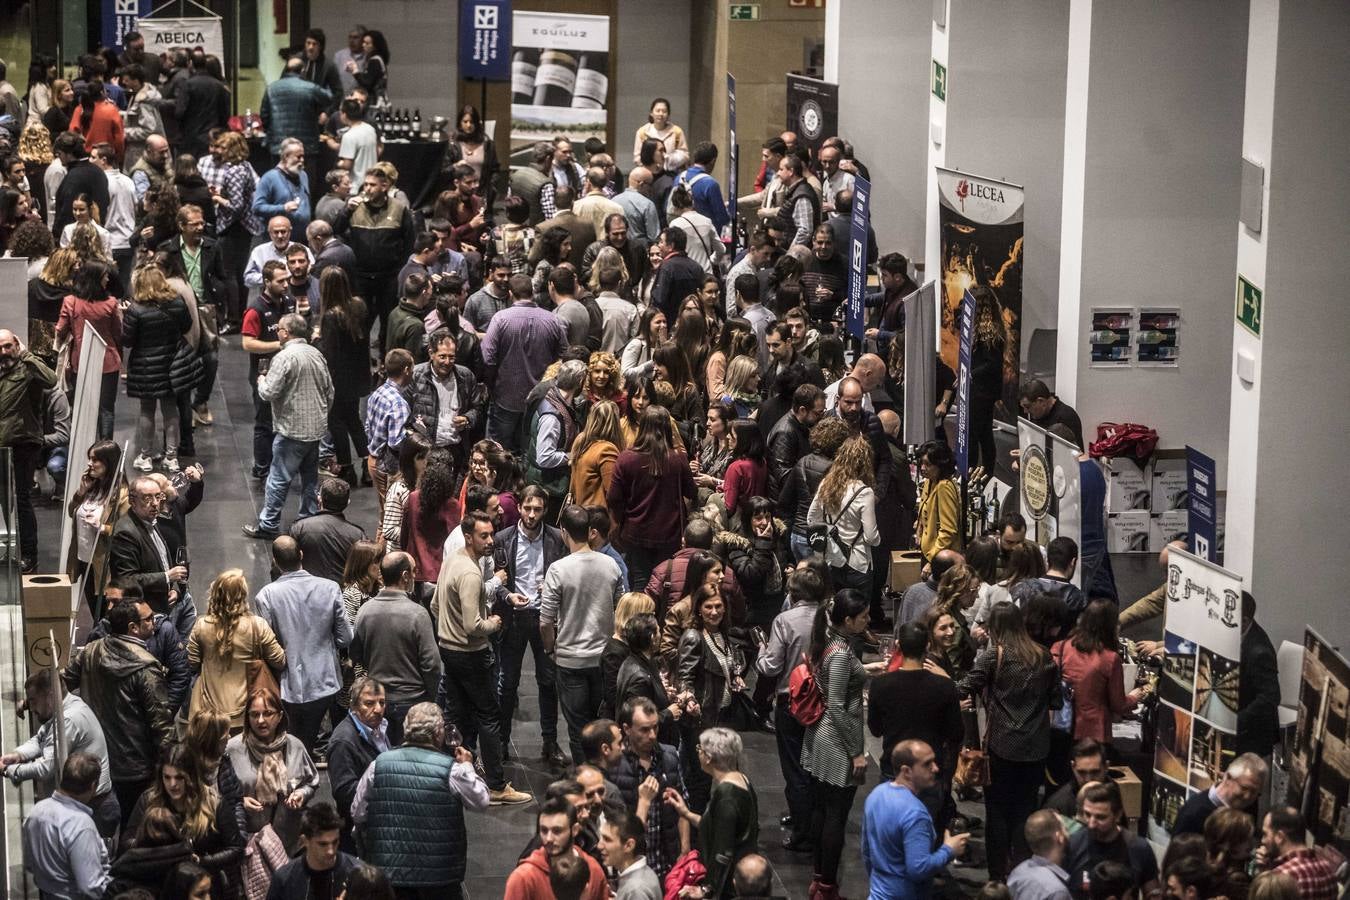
(559, 77)
(1049, 487)
(163, 33)
(1197, 719)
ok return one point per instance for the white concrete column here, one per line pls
(832, 14)
(1068, 348)
(937, 144)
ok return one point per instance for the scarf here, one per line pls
(270, 761)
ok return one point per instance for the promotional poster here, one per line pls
(1197, 718)
(1049, 487)
(1319, 772)
(982, 226)
(812, 110)
(857, 254)
(559, 77)
(920, 376)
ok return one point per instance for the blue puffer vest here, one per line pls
(414, 819)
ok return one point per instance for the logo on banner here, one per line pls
(811, 119)
(1035, 482)
(962, 192)
(485, 17)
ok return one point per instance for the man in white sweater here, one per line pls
(576, 619)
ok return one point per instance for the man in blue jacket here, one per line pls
(705, 189)
(897, 838)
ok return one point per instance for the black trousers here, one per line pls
(982, 448)
(25, 459)
(262, 430)
(235, 244)
(307, 718)
(471, 705)
(107, 405)
(380, 291)
(128, 792)
(829, 819)
(796, 780)
(346, 428)
(1009, 800)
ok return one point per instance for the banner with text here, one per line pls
(857, 255)
(119, 17)
(812, 110)
(559, 77)
(485, 40)
(965, 336)
(1049, 487)
(165, 33)
(1203, 519)
(1198, 715)
(982, 226)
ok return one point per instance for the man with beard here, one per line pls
(824, 278)
(632, 249)
(152, 168)
(851, 407)
(380, 231)
(302, 286)
(284, 189)
(260, 341)
(895, 287)
(317, 69)
(133, 54)
(295, 107)
(558, 828)
(274, 250)
(1103, 839)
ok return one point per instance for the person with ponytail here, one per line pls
(832, 748)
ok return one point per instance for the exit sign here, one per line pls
(1249, 306)
(939, 81)
(744, 12)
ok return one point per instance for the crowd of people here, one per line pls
(609, 421)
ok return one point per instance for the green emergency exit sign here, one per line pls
(939, 81)
(1249, 306)
(745, 12)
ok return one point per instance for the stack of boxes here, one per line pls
(1146, 505)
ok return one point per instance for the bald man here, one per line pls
(638, 209)
(306, 613)
(753, 878)
(870, 372)
(23, 379)
(152, 169)
(279, 238)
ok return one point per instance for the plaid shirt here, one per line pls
(236, 182)
(300, 390)
(1315, 877)
(387, 411)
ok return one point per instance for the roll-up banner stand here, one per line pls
(812, 110)
(83, 425)
(1198, 690)
(166, 32)
(733, 159)
(981, 244)
(857, 255)
(559, 77)
(920, 374)
(1049, 487)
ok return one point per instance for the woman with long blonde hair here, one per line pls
(159, 365)
(742, 386)
(205, 738)
(844, 513)
(616, 650)
(222, 645)
(594, 453)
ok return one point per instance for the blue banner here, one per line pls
(967, 335)
(119, 17)
(1202, 528)
(857, 256)
(485, 40)
(733, 156)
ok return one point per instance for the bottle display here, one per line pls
(524, 65)
(592, 81)
(555, 79)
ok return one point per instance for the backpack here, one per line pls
(818, 535)
(805, 703)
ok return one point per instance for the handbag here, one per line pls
(263, 856)
(818, 535)
(972, 766)
(261, 677)
(1062, 719)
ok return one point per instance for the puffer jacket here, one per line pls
(799, 489)
(146, 867)
(124, 686)
(151, 334)
(425, 402)
(758, 564)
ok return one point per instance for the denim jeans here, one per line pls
(289, 459)
(262, 430)
(579, 691)
(56, 462)
(183, 615)
(471, 705)
(522, 632)
(800, 546)
(504, 426)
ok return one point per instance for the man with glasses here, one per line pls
(278, 242)
(145, 556)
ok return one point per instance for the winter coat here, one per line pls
(758, 564)
(152, 334)
(799, 489)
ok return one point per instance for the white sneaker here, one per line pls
(170, 463)
(143, 463)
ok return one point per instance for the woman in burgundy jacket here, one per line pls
(647, 495)
(1089, 660)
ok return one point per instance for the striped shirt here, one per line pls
(830, 745)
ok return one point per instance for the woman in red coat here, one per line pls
(1089, 660)
(647, 495)
(97, 118)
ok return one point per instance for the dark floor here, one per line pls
(496, 836)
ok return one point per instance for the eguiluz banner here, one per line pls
(981, 243)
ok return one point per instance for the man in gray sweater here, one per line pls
(394, 641)
(576, 619)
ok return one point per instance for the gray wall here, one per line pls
(885, 49)
(1005, 119)
(1164, 142)
(1298, 564)
(423, 46)
(654, 56)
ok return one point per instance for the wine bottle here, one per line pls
(555, 78)
(592, 83)
(524, 65)
(1105, 336)
(417, 123)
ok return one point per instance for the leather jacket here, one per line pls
(702, 674)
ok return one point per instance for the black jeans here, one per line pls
(307, 718)
(25, 460)
(983, 450)
(107, 814)
(262, 430)
(235, 243)
(796, 780)
(380, 291)
(642, 561)
(107, 405)
(128, 792)
(346, 429)
(1009, 800)
(471, 705)
(846, 577)
(522, 632)
(830, 807)
(395, 711)
(579, 691)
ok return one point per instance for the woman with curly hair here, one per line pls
(428, 515)
(844, 510)
(603, 381)
(46, 297)
(737, 339)
(742, 386)
(224, 643)
(31, 240)
(202, 819)
(232, 182)
(594, 453)
(274, 768)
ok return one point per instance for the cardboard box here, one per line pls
(1129, 487)
(1129, 532)
(46, 615)
(1131, 790)
(905, 566)
(1172, 525)
(1169, 485)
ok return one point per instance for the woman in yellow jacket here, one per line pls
(939, 525)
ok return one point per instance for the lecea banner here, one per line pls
(982, 224)
(559, 77)
(1197, 718)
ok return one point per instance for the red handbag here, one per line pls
(1129, 440)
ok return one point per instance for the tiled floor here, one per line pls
(497, 836)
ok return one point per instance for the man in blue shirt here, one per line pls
(705, 189)
(897, 835)
(61, 846)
